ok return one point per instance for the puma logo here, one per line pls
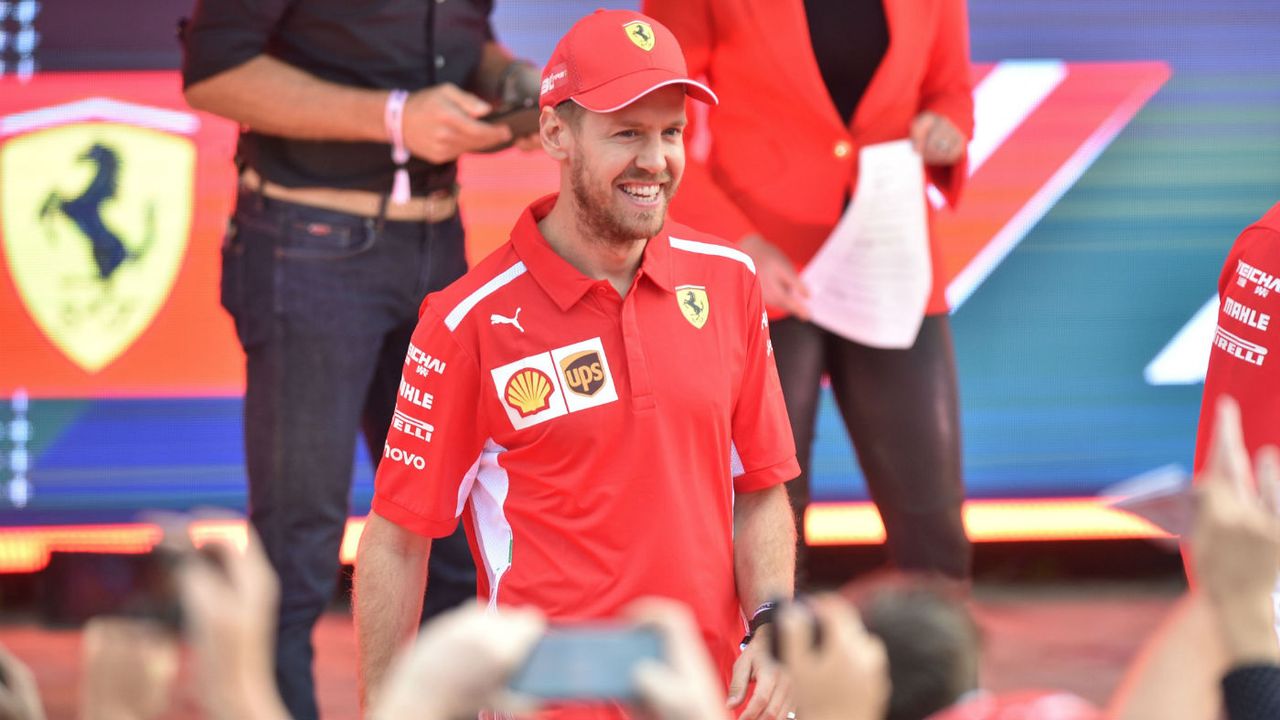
(496, 319)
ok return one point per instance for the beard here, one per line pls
(600, 215)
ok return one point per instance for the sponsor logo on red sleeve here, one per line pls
(411, 426)
(1265, 283)
(403, 457)
(1245, 314)
(1239, 348)
(415, 395)
(422, 363)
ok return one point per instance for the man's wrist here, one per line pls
(1247, 629)
(763, 615)
(393, 120)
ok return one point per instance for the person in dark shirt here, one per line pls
(352, 118)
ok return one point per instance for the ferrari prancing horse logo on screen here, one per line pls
(95, 218)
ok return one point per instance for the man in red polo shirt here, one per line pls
(1243, 362)
(597, 400)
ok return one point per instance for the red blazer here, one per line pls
(781, 159)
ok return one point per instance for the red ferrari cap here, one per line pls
(611, 58)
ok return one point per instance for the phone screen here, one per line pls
(591, 662)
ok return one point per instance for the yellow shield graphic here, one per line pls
(693, 303)
(95, 218)
(640, 33)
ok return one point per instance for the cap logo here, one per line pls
(640, 33)
(553, 77)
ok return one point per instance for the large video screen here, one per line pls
(1120, 147)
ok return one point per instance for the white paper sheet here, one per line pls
(1162, 497)
(871, 279)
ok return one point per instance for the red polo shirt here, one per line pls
(1243, 362)
(592, 443)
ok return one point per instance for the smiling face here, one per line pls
(624, 166)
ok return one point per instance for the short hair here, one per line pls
(932, 642)
(571, 112)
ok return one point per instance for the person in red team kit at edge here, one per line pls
(597, 400)
(1241, 362)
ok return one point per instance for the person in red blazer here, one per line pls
(804, 84)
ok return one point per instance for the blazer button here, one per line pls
(843, 148)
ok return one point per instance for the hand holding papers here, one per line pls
(870, 281)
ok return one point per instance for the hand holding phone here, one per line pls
(522, 119)
(594, 662)
(685, 684)
(80, 586)
(462, 661)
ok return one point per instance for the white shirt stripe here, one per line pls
(703, 248)
(456, 315)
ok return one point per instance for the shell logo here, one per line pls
(528, 391)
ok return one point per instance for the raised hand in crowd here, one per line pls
(459, 664)
(129, 668)
(685, 686)
(1235, 541)
(1219, 645)
(845, 676)
(19, 696)
(229, 603)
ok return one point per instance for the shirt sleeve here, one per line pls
(1242, 362)
(947, 89)
(764, 452)
(223, 34)
(433, 447)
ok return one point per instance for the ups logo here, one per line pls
(583, 372)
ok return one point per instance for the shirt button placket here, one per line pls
(637, 367)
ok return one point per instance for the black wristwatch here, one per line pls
(761, 617)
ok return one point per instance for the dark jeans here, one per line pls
(901, 410)
(324, 305)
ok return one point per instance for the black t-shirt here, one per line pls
(849, 39)
(408, 44)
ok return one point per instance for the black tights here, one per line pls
(902, 413)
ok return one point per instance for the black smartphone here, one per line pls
(79, 586)
(587, 663)
(521, 117)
